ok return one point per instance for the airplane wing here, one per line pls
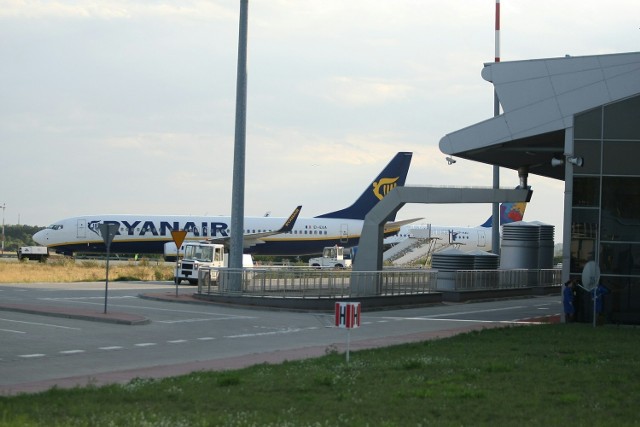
(394, 226)
(252, 239)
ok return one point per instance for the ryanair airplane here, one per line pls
(262, 235)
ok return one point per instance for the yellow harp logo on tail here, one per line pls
(382, 187)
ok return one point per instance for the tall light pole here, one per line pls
(495, 227)
(237, 195)
(4, 205)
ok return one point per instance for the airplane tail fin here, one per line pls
(509, 212)
(393, 175)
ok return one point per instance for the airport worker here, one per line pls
(568, 301)
(598, 293)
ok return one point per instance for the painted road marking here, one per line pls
(40, 324)
(13, 331)
(72, 351)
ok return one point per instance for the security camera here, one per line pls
(450, 160)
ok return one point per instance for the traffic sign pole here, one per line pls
(108, 231)
(178, 237)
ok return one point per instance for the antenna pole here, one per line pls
(495, 226)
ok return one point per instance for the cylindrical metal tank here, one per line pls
(546, 245)
(447, 262)
(483, 260)
(520, 245)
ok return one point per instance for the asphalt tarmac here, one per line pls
(150, 332)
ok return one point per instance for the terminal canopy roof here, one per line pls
(539, 99)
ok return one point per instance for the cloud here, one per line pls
(361, 92)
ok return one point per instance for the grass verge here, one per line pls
(542, 375)
(63, 270)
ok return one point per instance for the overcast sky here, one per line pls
(129, 106)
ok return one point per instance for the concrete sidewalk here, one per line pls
(77, 313)
(98, 315)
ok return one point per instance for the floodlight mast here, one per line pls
(495, 226)
(4, 205)
(237, 191)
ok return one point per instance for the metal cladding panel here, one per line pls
(521, 94)
(564, 83)
(541, 97)
(521, 121)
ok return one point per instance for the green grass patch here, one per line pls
(526, 376)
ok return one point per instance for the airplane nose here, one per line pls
(41, 237)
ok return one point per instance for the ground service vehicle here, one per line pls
(40, 253)
(332, 257)
(196, 256)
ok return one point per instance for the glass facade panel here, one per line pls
(620, 259)
(621, 157)
(621, 119)
(606, 206)
(621, 209)
(590, 152)
(586, 192)
(622, 304)
(588, 125)
(584, 234)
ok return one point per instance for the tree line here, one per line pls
(16, 236)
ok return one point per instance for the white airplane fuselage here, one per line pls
(464, 238)
(263, 235)
(149, 233)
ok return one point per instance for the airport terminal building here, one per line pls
(575, 119)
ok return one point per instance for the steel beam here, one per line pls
(369, 255)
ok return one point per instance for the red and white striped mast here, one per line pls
(497, 31)
(495, 227)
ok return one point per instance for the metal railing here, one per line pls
(506, 279)
(303, 282)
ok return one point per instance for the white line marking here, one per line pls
(457, 313)
(13, 331)
(197, 320)
(113, 347)
(28, 356)
(261, 334)
(226, 316)
(205, 338)
(145, 344)
(40, 324)
(71, 351)
(176, 341)
(86, 298)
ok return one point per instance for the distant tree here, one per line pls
(19, 235)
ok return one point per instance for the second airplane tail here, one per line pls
(393, 175)
(509, 212)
